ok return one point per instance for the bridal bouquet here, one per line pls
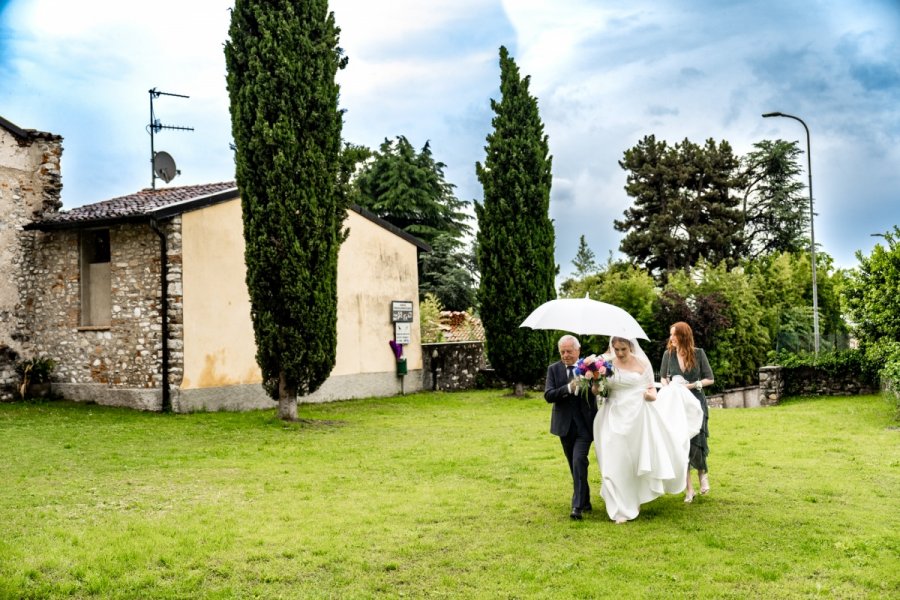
(593, 369)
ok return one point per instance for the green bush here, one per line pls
(885, 353)
(850, 362)
(35, 370)
(430, 319)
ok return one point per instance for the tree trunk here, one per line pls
(518, 389)
(287, 400)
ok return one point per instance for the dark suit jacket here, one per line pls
(568, 408)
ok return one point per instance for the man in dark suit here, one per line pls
(572, 420)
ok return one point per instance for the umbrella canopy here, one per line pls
(584, 316)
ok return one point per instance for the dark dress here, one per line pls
(668, 368)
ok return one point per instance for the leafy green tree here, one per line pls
(430, 319)
(706, 313)
(585, 260)
(871, 292)
(448, 272)
(783, 284)
(775, 210)
(740, 348)
(408, 189)
(623, 285)
(282, 58)
(684, 205)
(515, 238)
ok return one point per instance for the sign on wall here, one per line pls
(402, 333)
(401, 311)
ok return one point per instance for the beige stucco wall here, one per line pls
(375, 266)
(218, 334)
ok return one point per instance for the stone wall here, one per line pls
(127, 355)
(452, 366)
(30, 185)
(810, 381)
(9, 379)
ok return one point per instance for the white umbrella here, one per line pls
(584, 316)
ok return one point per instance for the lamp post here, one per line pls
(812, 235)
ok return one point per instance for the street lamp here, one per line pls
(812, 235)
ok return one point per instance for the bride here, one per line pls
(642, 437)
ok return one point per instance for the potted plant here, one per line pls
(34, 376)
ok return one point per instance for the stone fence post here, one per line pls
(771, 385)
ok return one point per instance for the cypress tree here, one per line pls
(282, 58)
(515, 239)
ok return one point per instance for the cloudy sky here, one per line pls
(605, 72)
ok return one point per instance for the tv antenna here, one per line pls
(162, 165)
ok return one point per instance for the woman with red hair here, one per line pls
(687, 365)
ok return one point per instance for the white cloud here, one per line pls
(605, 75)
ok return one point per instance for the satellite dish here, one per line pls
(164, 166)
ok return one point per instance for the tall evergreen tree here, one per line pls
(775, 210)
(653, 219)
(684, 205)
(282, 58)
(515, 238)
(407, 189)
(585, 260)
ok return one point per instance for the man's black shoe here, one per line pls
(576, 514)
(587, 508)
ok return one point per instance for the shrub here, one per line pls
(35, 370)
(32, 371)
(851, 363)
(430, 319)
(886, 354)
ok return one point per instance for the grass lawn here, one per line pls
(437, 495)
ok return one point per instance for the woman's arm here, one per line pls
(664, 368)
(706, 374)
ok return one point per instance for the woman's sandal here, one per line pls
(689, 497)
(704, 483)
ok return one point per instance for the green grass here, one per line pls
(437, 495)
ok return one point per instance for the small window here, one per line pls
(95, 279)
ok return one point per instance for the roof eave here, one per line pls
(424, 247)
(164, 212)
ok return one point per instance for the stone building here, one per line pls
(30, 186)
(142, 302)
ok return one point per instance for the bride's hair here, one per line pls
(636, 351)
(616, 339)
(685, 336)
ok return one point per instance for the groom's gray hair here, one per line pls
(568, 338)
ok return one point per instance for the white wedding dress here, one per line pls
(642, 446)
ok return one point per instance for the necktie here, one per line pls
(571, 372)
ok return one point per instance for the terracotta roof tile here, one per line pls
(459, 326)
(134, 205)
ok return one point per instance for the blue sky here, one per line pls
(605, 72)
